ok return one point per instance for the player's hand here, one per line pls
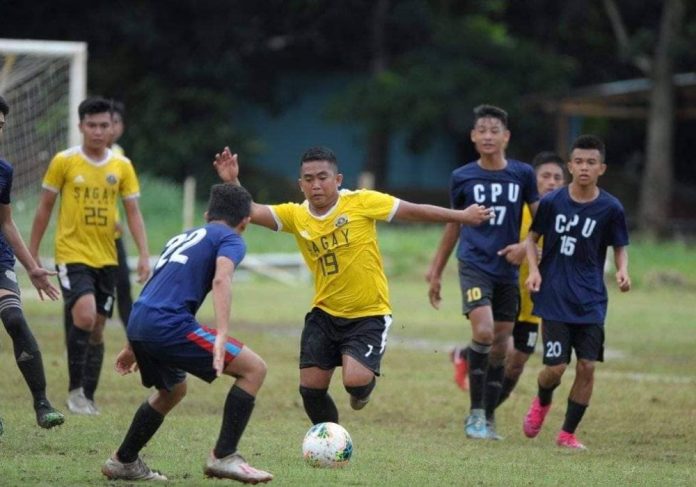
(476, 214)
(623, 281)
(39, 278)
(227, 166)
(219, 353)
(434, 290)
(125, 361)
(514, 253)
(143, 268)
(533, 282)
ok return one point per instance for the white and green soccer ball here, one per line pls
(327, 445)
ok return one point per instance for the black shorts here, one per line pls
(560, 338)
(76, 280)
(479, 289)
(163, 365)
(325, 339)
(8, 280)
(525, 336)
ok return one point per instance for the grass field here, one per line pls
(640, 427)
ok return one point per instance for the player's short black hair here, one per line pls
(229, 203)
(588, 141)
(486, 111)
(547, 157)
(4, 107)
(320, 153)
(94, 105)
(118, 107)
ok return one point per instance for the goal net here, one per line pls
(43, 82)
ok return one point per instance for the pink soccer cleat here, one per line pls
(535, 418)
(568, 440)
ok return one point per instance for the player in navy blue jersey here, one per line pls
(166, 341)
(26, 350)
(577, 223)
(489, 256)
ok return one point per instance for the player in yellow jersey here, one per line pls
(90, 180)
(336, 232)
(548, 167)
(124, 298)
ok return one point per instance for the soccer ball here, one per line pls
(327, 445)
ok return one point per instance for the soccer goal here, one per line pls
(43, 82)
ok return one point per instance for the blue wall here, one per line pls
(285, 136)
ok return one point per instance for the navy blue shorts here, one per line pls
(561, 338)
(479, 289)
(163, 365)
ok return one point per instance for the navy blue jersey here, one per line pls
(576, 237)
(7, 258)
(506, 190)
(181, 280)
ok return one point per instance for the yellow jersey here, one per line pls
(526, 304)
(89, 193)
(340, 248)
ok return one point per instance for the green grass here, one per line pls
(639, 428)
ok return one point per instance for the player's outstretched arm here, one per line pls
(621, 262)
(222, 305)
(472, 215)
(227, 166)
(38, 275)
(136, 225)
(43, 214)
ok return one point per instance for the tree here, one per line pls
(658, 174)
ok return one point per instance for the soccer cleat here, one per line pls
(46, 416)
(475, 426)
(358, 404)
(234, 467)
(535, 418)
(459, 359)
(114, 469)
(568, 440)
(78, 404)
(491, 431)
(93, 407)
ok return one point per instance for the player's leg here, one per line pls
(477, 295)
(362, 342)
(195, 355)
(94, 358)
(124, 299)
(524, 338)
(505, 304)
(26, 352)
(225, 460)
(77, 284)
(170, 384)
(319, 356)
(557, 349)
(588, 341)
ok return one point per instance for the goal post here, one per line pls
(43, 82)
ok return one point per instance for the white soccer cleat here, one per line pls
(78, 404)
(236, 468)
(114, 469)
